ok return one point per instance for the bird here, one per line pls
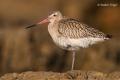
(71, 34)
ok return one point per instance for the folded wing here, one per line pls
(73, 28)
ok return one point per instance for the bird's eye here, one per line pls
(54, 15)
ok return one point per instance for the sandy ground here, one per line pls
(70, 75)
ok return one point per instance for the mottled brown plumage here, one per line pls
(75, 29)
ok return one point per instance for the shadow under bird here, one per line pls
(70, 34)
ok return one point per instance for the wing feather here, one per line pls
(73, 28)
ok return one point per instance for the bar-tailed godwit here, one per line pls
(71, 34)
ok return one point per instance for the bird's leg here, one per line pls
(73, 59)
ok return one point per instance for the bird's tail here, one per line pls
(108, 36)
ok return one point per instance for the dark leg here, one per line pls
(73, 60)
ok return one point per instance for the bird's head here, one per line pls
(55, 16)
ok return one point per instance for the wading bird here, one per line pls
(71, 34)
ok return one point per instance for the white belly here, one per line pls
(84, 42)
(76, 43)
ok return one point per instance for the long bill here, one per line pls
(41, 22)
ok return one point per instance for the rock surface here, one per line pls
(70, 75)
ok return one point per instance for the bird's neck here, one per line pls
(52, 26)
(53, 29)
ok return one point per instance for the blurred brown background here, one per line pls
(33, 49)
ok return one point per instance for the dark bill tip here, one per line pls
(33, 25)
